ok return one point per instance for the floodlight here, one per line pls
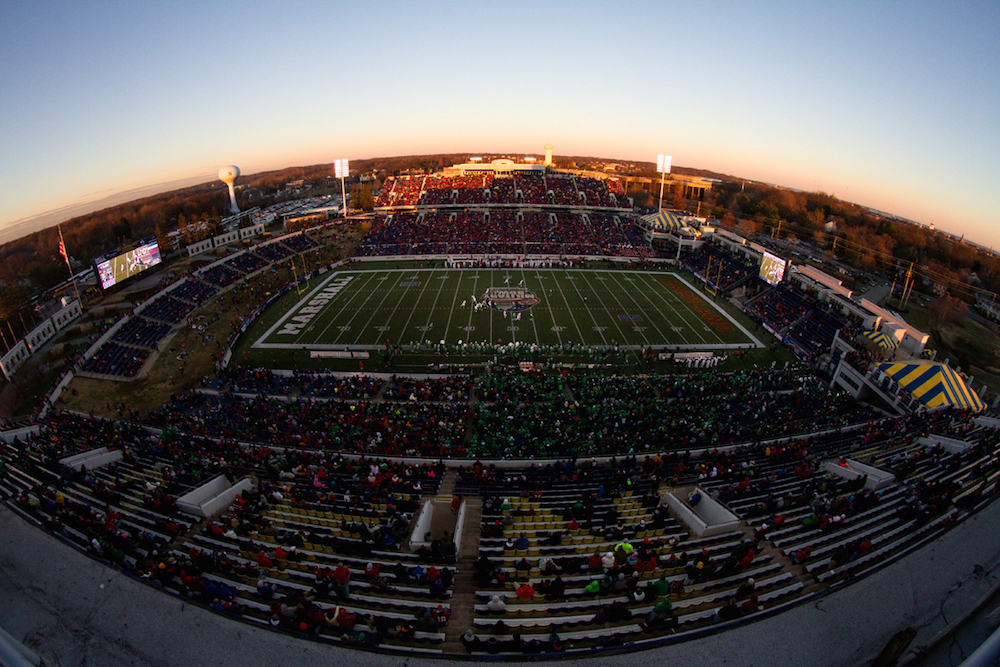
(340, 171)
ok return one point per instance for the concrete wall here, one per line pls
(422, 526)
(250, 232)
(200, 247)
(225, 239)
(211, 497)
(19, 433)
(877, 478)
(707, 518)
(10, 361)
(56, 392)
(67, 314)
(95, 458)
(459, 527)
(948, 444)
(40, 334)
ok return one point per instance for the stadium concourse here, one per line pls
(518, 511)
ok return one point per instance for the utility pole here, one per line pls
(906, 294)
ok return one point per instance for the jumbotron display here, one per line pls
(114, 267)
(772, 269)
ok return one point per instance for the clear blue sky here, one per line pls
(889, 104)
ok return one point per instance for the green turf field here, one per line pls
(366, 308)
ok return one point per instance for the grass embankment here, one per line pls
(185, 348)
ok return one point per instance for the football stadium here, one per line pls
(505, 417)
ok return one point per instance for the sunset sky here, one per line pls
(892, 105)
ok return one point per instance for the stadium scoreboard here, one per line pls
(772, 269)
(123, 263)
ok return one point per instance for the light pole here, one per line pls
(340, 171)
(662, 166)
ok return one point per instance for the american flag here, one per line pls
(62, 248)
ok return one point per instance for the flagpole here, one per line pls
(62, 251)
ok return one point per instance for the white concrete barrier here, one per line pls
(852, 470)
(951, 445)
(211, 497)
(707, 518)
(95, 458)
(19, 433)
(422, 526)
(459, 527)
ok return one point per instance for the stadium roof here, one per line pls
(884, 341)
(933, 384)
(664, 221)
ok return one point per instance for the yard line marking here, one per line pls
(375, 310)
(582, 339)
(413, 309)
(454, 297)
(669, 303)
(434, 306)
(614, 320)
(472, 309)
(530, 317)
(698, 318)
(722, 312)
(333, 317)
(294, 309)
(646, 317)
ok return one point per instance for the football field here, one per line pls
(362, 309)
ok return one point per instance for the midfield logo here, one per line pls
(510, 299)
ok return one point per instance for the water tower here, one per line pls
(548, 155)
(228, 175)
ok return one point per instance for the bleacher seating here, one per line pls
(168, 309)
(116, 359)
(585, 550)
(220, 275)
(141, 332)
(299, 243)
(717, 267)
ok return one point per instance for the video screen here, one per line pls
(772, 269)
(116, 267)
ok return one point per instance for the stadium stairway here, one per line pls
(463, 599)
(444, 520)
(777, 555)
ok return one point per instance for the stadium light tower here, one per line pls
(662, 166)
(228, 175)
(340, 171)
